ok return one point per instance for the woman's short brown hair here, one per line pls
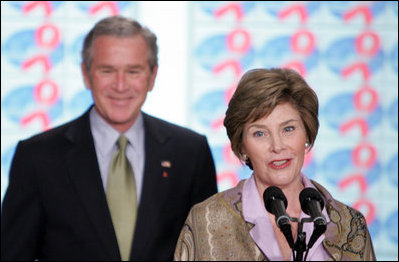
(259, 92)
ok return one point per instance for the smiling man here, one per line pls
(115, 183)
(119, 78)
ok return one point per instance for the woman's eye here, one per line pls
(258, 133)
(289, 129)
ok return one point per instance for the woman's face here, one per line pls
(276, 147)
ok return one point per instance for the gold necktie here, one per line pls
(122, 198)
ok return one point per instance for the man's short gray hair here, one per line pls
(120, 27)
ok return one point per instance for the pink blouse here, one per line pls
(262, 233)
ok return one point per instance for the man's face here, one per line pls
(119, 78)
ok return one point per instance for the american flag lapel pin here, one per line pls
(165, 164)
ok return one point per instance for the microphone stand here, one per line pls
(300, 243)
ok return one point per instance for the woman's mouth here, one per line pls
(280, 164)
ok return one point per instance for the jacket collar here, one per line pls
(85, 175)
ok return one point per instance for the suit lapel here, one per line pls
(84, 172)
(154, 188)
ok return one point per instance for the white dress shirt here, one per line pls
(105, 142)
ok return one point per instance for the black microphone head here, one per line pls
(270, 194)
(308, 194)
(276, 203)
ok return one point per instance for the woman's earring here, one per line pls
(244, 157)
(307, 145)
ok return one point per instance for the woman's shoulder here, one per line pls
(333, 205)
(347, 235)
(229, 201)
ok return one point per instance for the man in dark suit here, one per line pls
(56, 206)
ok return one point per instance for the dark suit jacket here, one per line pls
(55, 207)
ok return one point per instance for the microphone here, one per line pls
(312, 204)
(276, 203)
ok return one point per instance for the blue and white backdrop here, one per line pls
(347, 51)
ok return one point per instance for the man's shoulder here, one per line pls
(57, 132)
(165, 127)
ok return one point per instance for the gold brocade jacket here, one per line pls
(216, 230)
